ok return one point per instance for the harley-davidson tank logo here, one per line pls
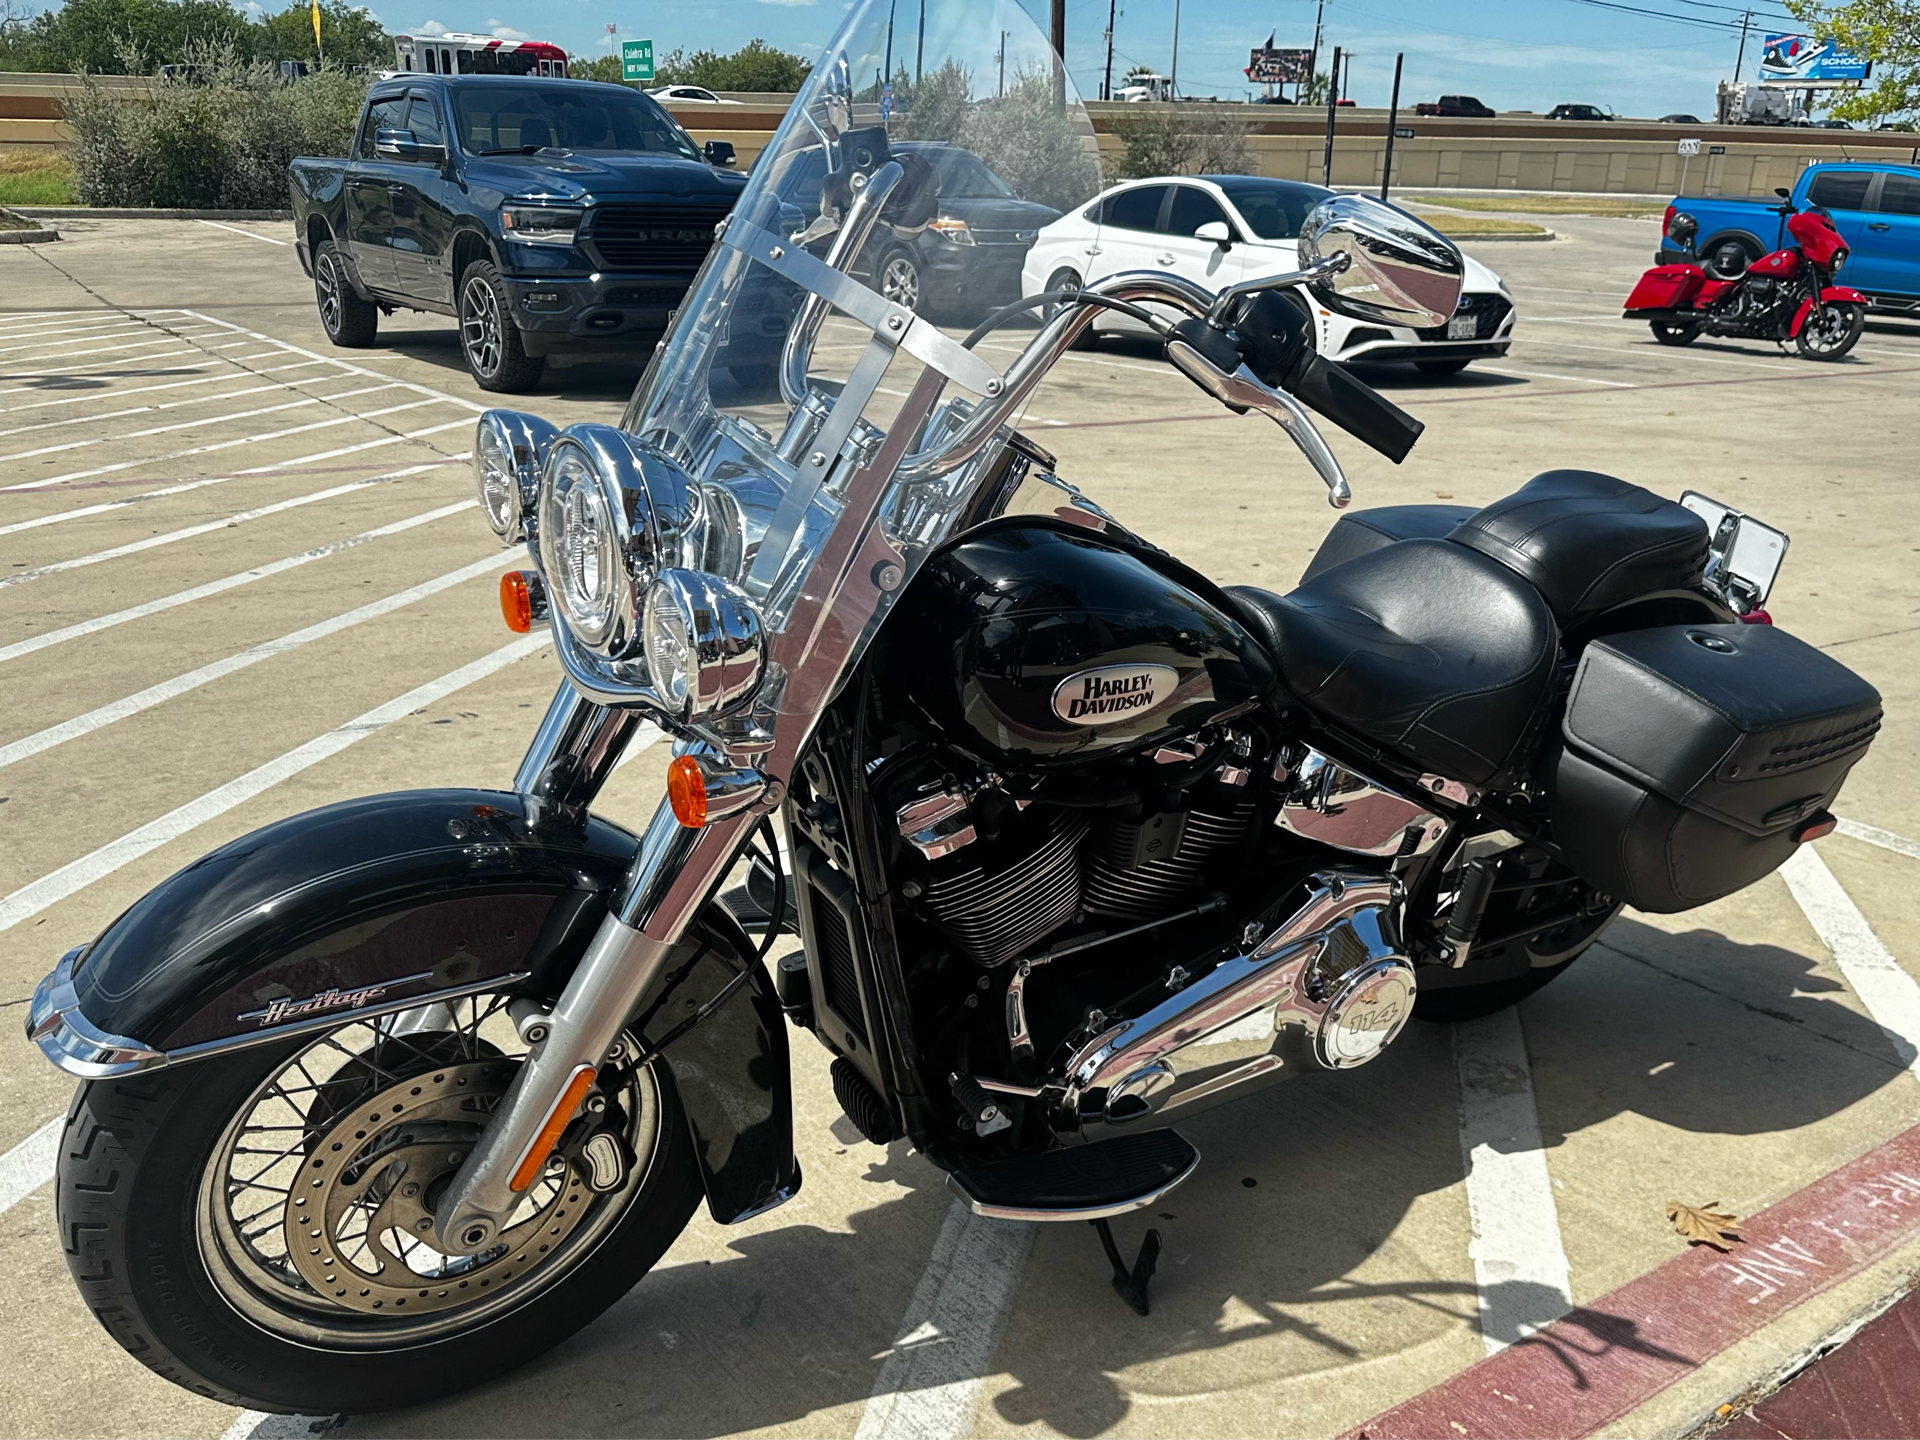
(1110, 692)
(278, 1012)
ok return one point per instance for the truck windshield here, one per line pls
(1273, 209)
(515, 119)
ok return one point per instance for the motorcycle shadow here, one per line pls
(1325, 1229)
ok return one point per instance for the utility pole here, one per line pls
(1393, 120)
(1106, 85)
(920, 48)
(888, 67)
(1059, 39)
(1173, 75)
(1003, 63)
(1745, 21)
(1313, 55)
(1333, 94)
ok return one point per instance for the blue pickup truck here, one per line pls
(1875, 207)
(552, 217)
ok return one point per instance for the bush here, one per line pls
(754, 67)
(134, 37)
(1030, 144)
(222, 142)
(1170, 140)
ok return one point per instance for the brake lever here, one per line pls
(1243, 391)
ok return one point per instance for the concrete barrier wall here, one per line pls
(1510, 152)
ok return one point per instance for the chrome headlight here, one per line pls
(509, 451)
(704, 644)
(609, 516)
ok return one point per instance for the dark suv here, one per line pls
(1578, 112)
(967, 260)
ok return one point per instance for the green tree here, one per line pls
(349, 33)
(939, 104)
(1035, 147)
(118, 37)
(755, 66)
(1169, 140)
(596, 67)
(1887, 32)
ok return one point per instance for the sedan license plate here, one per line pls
(1462, 327)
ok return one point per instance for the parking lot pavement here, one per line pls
(241, 575)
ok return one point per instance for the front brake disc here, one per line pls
(359, 1225)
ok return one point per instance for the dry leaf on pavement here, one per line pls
(1703, 1225)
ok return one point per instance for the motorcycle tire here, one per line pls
(1668, 333)
(1832, 341)
(139, 1200)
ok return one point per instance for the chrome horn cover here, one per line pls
(1401, 272)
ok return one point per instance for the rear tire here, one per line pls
(489, 340)
(1547, 956)
(143, 1164)
(1845, 322)
(1669, 332)
(349, 321)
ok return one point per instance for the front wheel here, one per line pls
(1831, 331)
(488, 337)
(257, 1228)
(1670, 332)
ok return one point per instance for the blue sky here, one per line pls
(1513, 54)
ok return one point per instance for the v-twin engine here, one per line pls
(1325, 989)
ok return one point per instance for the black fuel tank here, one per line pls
(1032, 643)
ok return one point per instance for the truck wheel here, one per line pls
(349, 321)
(1668, 332)
(488, 337)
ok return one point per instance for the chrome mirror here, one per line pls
(1400, 271)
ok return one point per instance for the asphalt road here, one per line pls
(241, 575)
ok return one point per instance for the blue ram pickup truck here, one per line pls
(551, 217)
(1875, 207)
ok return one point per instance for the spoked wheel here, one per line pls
(260, 1226)
(1670, 332)
(349, 321)
(1831, 331)
(489, 339)
(900, 280)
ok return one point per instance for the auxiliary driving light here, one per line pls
(704, 643)
(509, 450)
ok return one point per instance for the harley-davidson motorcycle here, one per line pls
(1786, 294)
(386, 1098)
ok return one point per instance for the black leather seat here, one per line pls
(1589, 542)
(1424, 647)
(1358, 532)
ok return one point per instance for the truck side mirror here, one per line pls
(400, 145)
(1783, 192)
(719, 152)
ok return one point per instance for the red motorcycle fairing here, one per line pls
(1833, 294)
(1817, 238)
(1778, 265)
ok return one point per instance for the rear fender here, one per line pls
(395, 901)
(1833, 294)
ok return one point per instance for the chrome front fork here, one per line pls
(673, 873)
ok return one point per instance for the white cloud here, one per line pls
(430, 27)
(500, 30)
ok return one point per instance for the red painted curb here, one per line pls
(1597, 1363)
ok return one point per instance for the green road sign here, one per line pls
(636, 60)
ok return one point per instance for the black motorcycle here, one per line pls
(389, 1097)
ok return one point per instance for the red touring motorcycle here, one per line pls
(1787, 295)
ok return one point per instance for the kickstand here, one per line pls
(1131, 1285)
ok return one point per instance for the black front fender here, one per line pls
(392, 901)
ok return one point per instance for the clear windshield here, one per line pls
(821, 349)
(517, 119)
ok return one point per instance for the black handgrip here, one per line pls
(1326, 386)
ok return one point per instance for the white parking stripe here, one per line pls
(208, 399)
(1636, 351)
(1544, 375)
(344, 365)
(152, 542)
(27, 318)
(1519, 1262)
(1885, 839)
(225, 583)
(46, 482)
(29, 1165)
(235, 229)
(98, 329)
(262, 1425)
(930, 1381)
(102, 319)
(79, 371)
(1891, 995)
(65, 352)
(30, 899)
(174, 384)
(203, 420)
(102, 716)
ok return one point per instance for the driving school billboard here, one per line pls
(1802, 57)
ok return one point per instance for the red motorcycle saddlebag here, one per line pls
(1692, 757)
(1666, 287)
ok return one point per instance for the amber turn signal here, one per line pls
(549, 1136)
(687, 792)
(516, 601)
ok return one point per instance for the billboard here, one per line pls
(1803, 58)
(1268, 66)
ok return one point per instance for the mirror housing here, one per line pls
(1217, 232)
(1783, 192)
(720, 152)
(1400, 271)
(400, 145)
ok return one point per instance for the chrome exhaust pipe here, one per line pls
(1326, 989)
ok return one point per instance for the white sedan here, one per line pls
(1218, 229)
(696, 93)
